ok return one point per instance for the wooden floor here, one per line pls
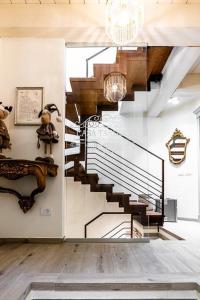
(158, 261)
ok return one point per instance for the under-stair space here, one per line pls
(109, 162)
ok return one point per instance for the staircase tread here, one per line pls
(116, 194)
(137, 204)
(105, 184)
(153, 213)
(83, 79)
(92, 175)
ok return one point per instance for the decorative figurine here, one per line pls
(4, 135)
(47, 132)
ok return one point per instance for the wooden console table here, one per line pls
(13, 169)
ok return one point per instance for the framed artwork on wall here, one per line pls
(29, 102)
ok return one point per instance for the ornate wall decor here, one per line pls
(29, 102)
(47, 132)
(177, 147)
(15, 169)
(4, 134)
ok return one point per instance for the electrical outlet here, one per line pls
(45, 212)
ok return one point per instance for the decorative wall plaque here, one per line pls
(177, 147)
(29, 102)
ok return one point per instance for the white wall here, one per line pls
(134, 127)
(181, 181)
(83, 205)
(33, 63)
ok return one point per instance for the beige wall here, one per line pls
(164, 24)
(83, 205)
(181, 181)
(32, 63)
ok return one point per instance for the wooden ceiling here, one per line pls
(137, 65)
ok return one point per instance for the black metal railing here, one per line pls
(104, 165)
(93, 56)
(125, 173)
(105, 213)
(131, 141)
(119, 231)
(116, 227)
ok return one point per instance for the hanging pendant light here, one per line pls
(124, 20)
(115, 87)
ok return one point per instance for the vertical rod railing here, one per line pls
(163, 186)
(162, 179)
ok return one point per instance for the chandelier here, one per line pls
(123, 20)
(115, 87)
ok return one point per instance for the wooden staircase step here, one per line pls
(91, 179)
(101, 70)
(115, 197)
(107, 107)
(136, 208)
(79, 84)
(70, 130)
(150, 220)
(123, 55)
(102, 188)
(73, 157)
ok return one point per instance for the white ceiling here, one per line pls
(91, 1)
(165, 24)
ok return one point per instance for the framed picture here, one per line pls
(29, 102)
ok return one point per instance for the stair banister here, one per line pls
(131, 141)
(98, 216)
(147, 151)
(93, 56)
